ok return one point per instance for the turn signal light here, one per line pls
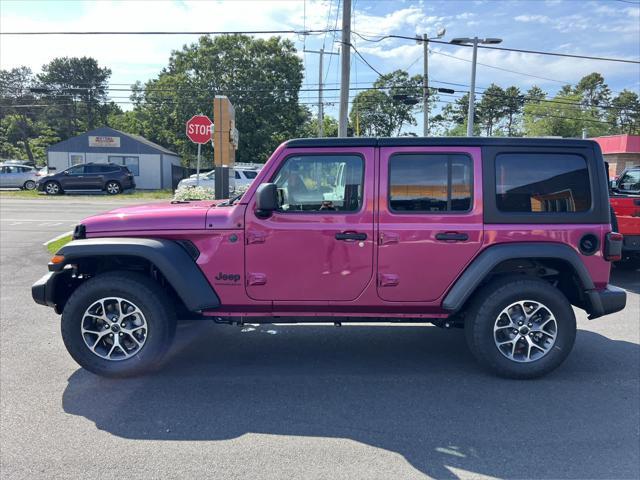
(57, 259)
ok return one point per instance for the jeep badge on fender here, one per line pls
(499, 236)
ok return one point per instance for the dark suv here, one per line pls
(109, 177)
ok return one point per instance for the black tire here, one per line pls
(112, 187)
(52, 188)
(487, 305)
(150, 298)
(29, 185)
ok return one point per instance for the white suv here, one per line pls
(240, 177)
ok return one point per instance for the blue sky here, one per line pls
(608, 28)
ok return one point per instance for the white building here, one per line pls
(153, 166)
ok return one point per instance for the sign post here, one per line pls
(225, 143)
(199, 131)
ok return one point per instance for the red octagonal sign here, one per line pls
(199, 129)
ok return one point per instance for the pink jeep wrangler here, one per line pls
(498, 236)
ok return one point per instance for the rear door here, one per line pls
(430, 219)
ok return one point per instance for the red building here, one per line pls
(621, 151)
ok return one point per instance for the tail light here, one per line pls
(613, 246)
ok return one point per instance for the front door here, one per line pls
(319, 244)
(430, 219)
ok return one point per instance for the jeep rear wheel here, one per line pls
(118, 324)
(520, 328)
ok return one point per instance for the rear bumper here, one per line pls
(608, 300)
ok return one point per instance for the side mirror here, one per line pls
(613, 184)
(266, 199)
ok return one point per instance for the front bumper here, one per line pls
(608, 300)
(43, 290)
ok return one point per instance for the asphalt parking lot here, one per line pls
(302, 401)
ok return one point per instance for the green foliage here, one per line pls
(625, 114)
(383, 111)
(261, 77)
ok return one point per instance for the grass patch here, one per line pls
(54, 246)
(137, 195)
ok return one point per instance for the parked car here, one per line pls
(18, 176)
(108, 177)
(625, 203)
(239, 178)
(499, 236)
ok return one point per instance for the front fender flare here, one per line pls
(168, 256)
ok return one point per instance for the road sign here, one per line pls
(199, 129)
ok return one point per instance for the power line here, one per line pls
(365, 60)
(518, 50)
(203, 32)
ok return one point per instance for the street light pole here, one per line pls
(472, 92)
(425, 86)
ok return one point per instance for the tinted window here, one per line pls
(251, 174)
(542, 183)
(77, 170)
(630, 181)
(430, 183)
(132, 163)
(237, 175)
(321, 183)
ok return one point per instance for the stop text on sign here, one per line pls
(199, 129)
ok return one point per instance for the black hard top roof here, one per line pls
(439, 141)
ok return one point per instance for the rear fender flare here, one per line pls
(488, 259)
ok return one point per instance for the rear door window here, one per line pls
(430, 183)
(542, 183)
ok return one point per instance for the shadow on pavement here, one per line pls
(628, 279)
(411, 390)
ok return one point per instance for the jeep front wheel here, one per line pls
(520, 328)
(118, 324)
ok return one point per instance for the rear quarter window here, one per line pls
(542, 183)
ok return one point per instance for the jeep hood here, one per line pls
(161, 216)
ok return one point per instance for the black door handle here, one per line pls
(351, 236)
(452, 236)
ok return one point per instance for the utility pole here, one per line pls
(425, 86)
(425, 78)
(472, 93)
(322, 53)
(345, 61)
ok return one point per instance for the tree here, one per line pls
(561, 117)
(593, 90)
(514, 103)
(261, 77)
(388, 107)
(452, 120)
(78, 86)
(310, 126)
(491, 107)
(625, 113)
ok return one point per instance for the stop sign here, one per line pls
(199, 129)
